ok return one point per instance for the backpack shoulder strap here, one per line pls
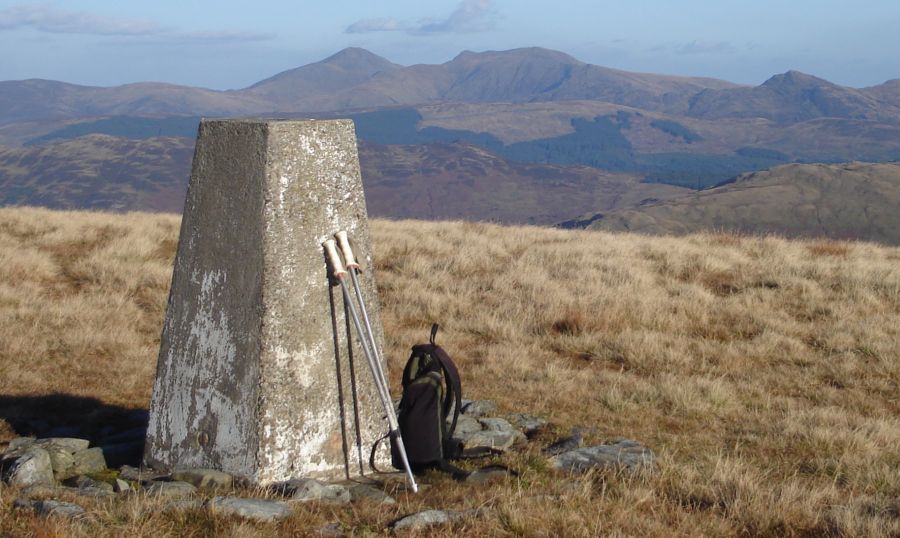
(454, 395)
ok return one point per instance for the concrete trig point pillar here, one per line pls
(254, 375)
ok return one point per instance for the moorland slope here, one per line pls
(841, 201)
(763, 372)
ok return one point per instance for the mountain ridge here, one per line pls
(355, 79)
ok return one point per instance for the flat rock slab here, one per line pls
(205, 478)
(170, 490)
(51, 508)
(140, 474)
(86, 482)
(428, 518)
(255, 509)
(308, 489)
(69, 444)
(625, 454)
(486, 442)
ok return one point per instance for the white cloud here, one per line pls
(50, 19)
(469, 16)
(57, 21)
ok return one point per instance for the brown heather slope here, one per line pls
(763, 372)
(465, 182)
(98, 172)
(436, 181)
(840, 201)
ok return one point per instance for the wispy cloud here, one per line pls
(51, 19)
(365, 26)
(705, 47)
(57, 21)
(224, 35)
(469, 16)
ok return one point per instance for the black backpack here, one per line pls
(431, 393)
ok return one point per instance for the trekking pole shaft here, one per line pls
(382, 389)
(368, 325)
(343, 243)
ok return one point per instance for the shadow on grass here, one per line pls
(119, 430)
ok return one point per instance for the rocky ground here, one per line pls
(46, 470)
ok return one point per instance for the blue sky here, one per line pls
(231, 44)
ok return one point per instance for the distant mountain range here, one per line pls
(513, 133)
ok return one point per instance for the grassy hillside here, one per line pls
(841, 201)
(763, 372)
(98, 172)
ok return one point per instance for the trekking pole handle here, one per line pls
(344, 242)
(334, 259)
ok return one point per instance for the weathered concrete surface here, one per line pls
(254, 365)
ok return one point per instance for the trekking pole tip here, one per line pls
(346, 250)
(337, 268)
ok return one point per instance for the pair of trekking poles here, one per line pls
(366, 336)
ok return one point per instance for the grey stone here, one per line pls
(488, 474)
(308, 489)
(564, 444)
(86, 482)
(246, 372)
(528, 424)
(89, 460)
(479, 408)
(501, 425)
(69, 444)
(370, 493)
(205, 478)
(93, 492)
(31, 468)
(255, 509)
(486, 442)
(625, 453)
(51, 508)
(170, 490)
(136, 474)
(19, 443)
(466, 424)
(428, 518)
(122, 486)
(61, 460)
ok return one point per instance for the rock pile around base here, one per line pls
(47, 467)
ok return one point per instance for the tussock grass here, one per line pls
(764, 372)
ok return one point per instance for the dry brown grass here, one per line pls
(765, 373)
